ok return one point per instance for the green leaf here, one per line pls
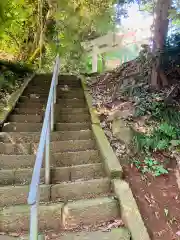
(162, 144)
(168, 130)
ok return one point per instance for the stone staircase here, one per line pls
(80, 192)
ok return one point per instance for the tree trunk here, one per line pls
(161, 23)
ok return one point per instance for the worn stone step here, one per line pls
(42, 97)
(62, 103)
(15, 195)
(114, 234)
(28, 111)
(26, 137)
(55, 146)
(22, 127)
(43, 92)
(66, 146)
(47, 84)
(90, 211)
(120, 233)
(57, 216)
(37, 127)
(29, 118)
(76, 158)
(16, 218)
(58, 110)
(13, 148)
(72, 126)
(62, 159)
(72, 118)
(58, 174)
(38, 118)
(80, 189)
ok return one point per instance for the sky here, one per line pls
(137, 20)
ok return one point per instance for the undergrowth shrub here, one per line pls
(150, 165)
(161, 138)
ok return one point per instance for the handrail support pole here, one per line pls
(52, 115)
(34, 222)
(47, 157)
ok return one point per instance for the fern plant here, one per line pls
(161, 138)
(150, 165)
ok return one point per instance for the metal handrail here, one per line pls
(48, 125)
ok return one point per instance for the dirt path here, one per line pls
(158, 199)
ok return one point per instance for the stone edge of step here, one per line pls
(129, 210)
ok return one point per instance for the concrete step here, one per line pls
(28, 111)
(37, 127)
(58, 216)
(63, 159)
(58, 110)
(26, 137)
(114, 234)
(55, 146)
(15, 148)
(22, 127)
(76, 158)
(15, 195)
(33, 93)
(72, 103)
(29, 118)
(47, 84)
(35, 118)
(44, 77)
(80, 190)
(72, 118)
(58, 174)
(72, 126)
(66, 146)
(39, 97)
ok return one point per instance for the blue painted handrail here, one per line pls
(43, 149)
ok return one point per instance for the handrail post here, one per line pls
(47, 156)
(55, 89)
(34, 221)
(52, 115)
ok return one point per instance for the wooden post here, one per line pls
(95, 59)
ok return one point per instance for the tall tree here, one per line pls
(160, 9)
(161, 22)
